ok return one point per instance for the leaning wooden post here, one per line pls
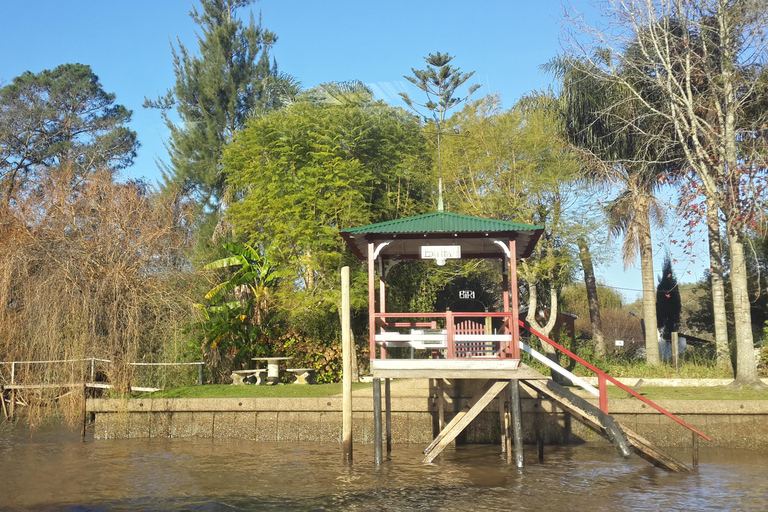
(346, 350)
(517, 421)
(377, 455)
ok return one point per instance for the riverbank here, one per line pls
(731, 423)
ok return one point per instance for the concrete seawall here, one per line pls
(732, 424)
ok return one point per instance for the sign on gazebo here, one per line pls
(440, 253)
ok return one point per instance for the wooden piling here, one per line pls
(346, 341)
(377, 448)
(517, 423)
(84, 411)
(675, 350)
(695, 450)
(505, 401)
(2, 401)
(388, 414)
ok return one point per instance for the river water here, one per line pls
(51, 469)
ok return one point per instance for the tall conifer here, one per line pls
(215, 91)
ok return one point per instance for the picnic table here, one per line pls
(273, 367)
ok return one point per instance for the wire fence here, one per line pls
(97, 370)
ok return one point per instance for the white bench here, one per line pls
(303, 375)
(239, 376)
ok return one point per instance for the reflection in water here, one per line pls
(51, 469)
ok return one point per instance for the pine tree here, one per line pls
(215, 92)
(668, 303)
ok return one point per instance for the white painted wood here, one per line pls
(559, 369)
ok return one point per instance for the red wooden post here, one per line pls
(449, 330)
(371, 302)
(515, 307)
(382, 301)
(602, 387)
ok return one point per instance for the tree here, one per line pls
(513, 165)
(60, 119)
(333, 159)
(214, 94)
(237, 316)
(620, 157)
(439, 81)
(701, 59)
(668, 304)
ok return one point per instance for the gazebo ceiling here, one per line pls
(476, 236)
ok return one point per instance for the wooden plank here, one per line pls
(653, 454)
(460, 421)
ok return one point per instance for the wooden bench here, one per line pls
(239, 376)
(303, 375)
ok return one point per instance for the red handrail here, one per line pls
(602, 377)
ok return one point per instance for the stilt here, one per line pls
(440, 404)
(517, 423)
(695, 450)
(507, 423)
(377, 455)
(12, 405)
(85, 411)
(502, 424)
(388, 414)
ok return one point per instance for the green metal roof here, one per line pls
(478, 237)
(441, 222)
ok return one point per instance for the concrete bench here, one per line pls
(239, 376)
(303, 375)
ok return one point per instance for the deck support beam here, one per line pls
(388, 414)
(463, 418)
(377, 455)
(517, 423)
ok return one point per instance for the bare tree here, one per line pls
(702, 59)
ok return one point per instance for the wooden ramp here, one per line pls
(626, 441)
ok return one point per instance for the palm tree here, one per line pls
(618, 156)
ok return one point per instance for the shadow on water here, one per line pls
(51, 469)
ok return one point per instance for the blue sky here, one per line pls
(127, 45)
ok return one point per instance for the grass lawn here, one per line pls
(655, 393)
(229, 391)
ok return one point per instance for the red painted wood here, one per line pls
(602, 387)
(371, 303)
(612, 380)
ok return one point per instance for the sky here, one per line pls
(127, 44)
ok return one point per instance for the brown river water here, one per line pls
(51, 469)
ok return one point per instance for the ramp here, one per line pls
(625, 440)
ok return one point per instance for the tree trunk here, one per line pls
(594, 304)
(718, 288)
(746, 366)
(649, 288)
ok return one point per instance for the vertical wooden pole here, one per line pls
(675, 349)
(502, 424)
(517, 422)
(2, 402)
(346, 351)
(85, 411)
(382, 299)
(371, 302)
(12, 405)
(695, 450)
(388, 416)
(508, 422)
(514, 306)
(377, 455)
(440, 404)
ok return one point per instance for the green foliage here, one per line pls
(60, 118)
(237, 317)
(215, 92)
(333, 159)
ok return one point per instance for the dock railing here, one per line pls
(603, 379)
(458, 343)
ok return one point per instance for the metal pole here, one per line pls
(346, 350)
(377, 455)
(517, 422)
